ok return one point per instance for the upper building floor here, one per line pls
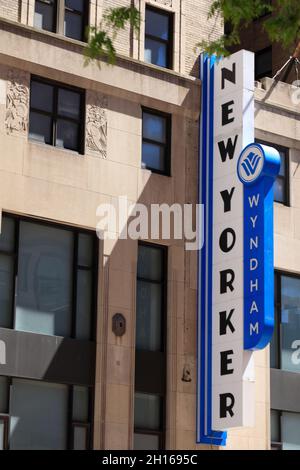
(170, 29)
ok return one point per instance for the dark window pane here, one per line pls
(40, 127)
(80, 404)
(153, 156)
(2, 433)
(4, 388)
(275, 426)
(7, 235)
(68, 103)
(263, 64)
(85, 250)
(283, 164)
(44, 15)
(279, 190)
(274, 353)
(146, 442)
(84, 305)
(75, 4)
(150, 263)
(148, 321)
(73, 25)
(157, 24)
(147, 411)
(154, 127)
(6, 290)
(41, 96)
(80, 437)
(290, 323)
(155, 52)
(67, 134)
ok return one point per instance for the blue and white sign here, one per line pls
(257, 169)
(235, 302)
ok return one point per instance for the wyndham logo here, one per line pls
(251, 164)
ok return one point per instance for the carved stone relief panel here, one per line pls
(17, 102)
(96, 124)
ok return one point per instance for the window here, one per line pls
(56, 115)
(158, 37)
(75, 20)
(80, 418)
(156, 148)
(4, 396)
(39, 418)
(285, 342)
(55, 267)
(263, 63)
(281, 186)
(150, 348)
(45, 14)
(285, 430)
(68, 17)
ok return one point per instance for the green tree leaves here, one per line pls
(283, 26)
(101, 39)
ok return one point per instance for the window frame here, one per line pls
(159, 389)
(76, 231)
(70, 423)
(84, 15)
(5, 419)
(277, 445)
(167, 145)
(59, 14)
(55, 116)
(268, 72)
(168, 42)
(286, 202)
(278, 313)
(54, 13)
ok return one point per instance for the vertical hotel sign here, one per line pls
(235, 304)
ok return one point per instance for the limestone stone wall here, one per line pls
(190, 26)
(10, 9)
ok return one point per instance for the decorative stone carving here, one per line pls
(96, 124)
(17, 102)
(168, 3)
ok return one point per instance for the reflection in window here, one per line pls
(36, 415)
(285, 430)
(290, 323)
(285, 346)
(54, 292)
(156, 142)
(56, 115)
(45, 14)
(158, 42)
(147, 421)
(150, 348)
(75, 19)
(150, 285)
(7, 271)
(44, 292)
(281, 186)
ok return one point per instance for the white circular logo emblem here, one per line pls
(251, 163)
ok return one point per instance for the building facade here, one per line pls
(98, 337)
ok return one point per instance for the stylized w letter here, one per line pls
(250, 163)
